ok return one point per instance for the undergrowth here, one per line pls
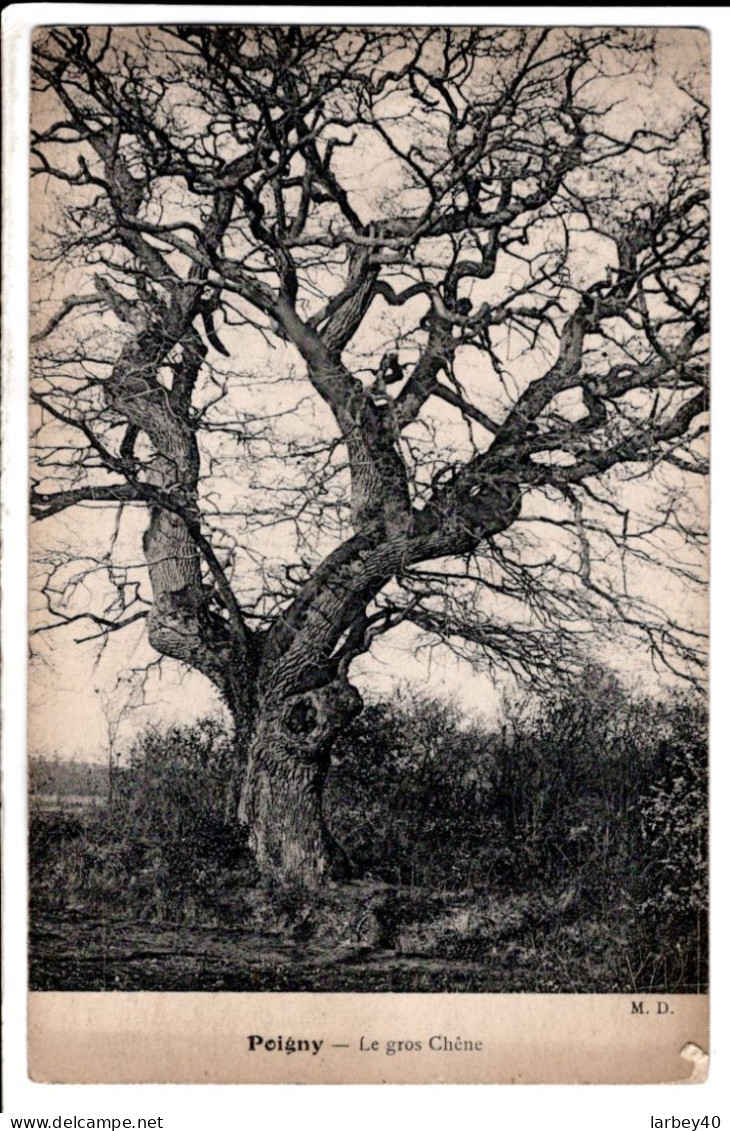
(566, 851)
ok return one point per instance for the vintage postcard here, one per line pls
(368, 617)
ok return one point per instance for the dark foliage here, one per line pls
(159, 848)
(591, 806)
(565, 851)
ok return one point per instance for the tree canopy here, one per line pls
(376, 326)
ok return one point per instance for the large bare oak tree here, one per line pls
(377, 327)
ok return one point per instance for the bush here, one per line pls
(420, 795)
(176, 805)
(591, 802)
(568, 775)
(159, 849)
(673, 830)
(407, 795)
(178, 795)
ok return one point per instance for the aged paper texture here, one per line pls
(367, 1038)
(367, 702)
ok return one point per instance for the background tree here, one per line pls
(375, 327)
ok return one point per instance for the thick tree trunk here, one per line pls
(281, 801)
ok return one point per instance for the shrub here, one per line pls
(568, 774)
(590, 801)
(673, 826)
(407, 793)
(175, 807)
(161, 846)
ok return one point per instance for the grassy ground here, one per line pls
(359, 938)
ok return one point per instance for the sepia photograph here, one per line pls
(369, 387)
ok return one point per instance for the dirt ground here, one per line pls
(69, 953)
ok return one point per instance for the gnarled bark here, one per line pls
(281, 802)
